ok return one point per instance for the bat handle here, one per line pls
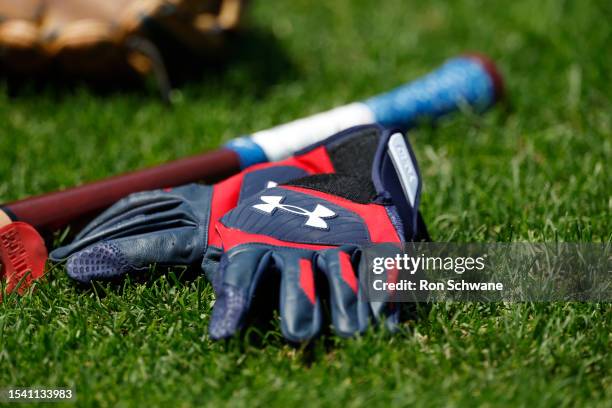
(467, 81)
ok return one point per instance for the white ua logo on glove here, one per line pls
(315, 218)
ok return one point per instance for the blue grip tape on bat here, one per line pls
(466, 81)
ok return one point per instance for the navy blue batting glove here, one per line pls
(300, 244)
(175, 226)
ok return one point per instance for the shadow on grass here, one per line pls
(251, 60)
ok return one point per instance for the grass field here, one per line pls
(536, 169)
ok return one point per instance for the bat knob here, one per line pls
(490, 67)
(23, 256)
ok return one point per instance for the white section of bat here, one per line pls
(282, 141)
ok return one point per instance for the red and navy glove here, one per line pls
(176, 226)
(297, 245)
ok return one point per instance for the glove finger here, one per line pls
(349, 309)
(388, 312)
(101, 261)
(385, 308)
(137, 204)
(142, 213)
(127, 218)
(300, 309)
(135, 229)
(113, 258)
(239, 275)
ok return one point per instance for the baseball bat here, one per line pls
(470, 80)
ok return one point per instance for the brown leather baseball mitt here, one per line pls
(101, 38)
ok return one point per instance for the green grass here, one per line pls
(536, 169)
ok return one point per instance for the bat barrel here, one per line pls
(57, 209)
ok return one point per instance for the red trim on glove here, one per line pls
(307, 279)
(346, 271)
(224, 198)
(316, 161)
(226, 193)
(232, 237)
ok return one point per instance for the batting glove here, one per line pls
(299, 244)
(176, 226)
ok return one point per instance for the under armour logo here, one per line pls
(315, 218)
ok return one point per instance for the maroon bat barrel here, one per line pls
(54, 210)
